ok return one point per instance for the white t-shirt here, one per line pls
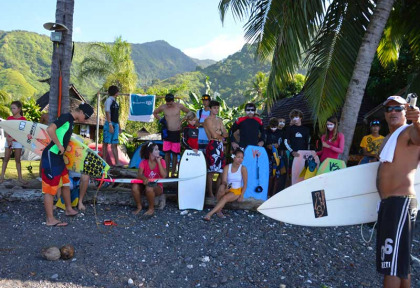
(108, 103)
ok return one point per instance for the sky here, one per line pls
(193, 26)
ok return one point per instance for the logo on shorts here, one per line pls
(386, 249)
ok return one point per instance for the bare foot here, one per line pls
(137, 211)
(206, 218)
(220, 214)
(71, 212)
(57, 223)
(23, 182)
(148, 214)
(81, 207)
(1, 180)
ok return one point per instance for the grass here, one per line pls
(11, 172)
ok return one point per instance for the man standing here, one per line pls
(215, 157)
(112, 127)
(251, 129)
(202, 114)
(172, 143)
(297, 136)
(397, 213)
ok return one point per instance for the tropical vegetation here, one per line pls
(339, 39)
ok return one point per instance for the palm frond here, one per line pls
(296, 25)
(240, 8)
(332, 56)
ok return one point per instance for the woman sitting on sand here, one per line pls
(234, 181)
(151, 167)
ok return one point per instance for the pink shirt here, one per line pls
(152, 174)
(337, 147)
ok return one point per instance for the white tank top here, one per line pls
(235, 178)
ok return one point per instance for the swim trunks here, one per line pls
(111, 138)
(172, 142)
(54, 173)
(396, 221)
(215, 157)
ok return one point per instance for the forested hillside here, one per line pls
(25, 58)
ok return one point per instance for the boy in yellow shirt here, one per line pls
(371, 143)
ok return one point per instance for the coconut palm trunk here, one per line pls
(61, 60)
(361, 71)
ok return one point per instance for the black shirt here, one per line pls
(251, 131)
(297, 137)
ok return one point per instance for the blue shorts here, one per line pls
(111, 138)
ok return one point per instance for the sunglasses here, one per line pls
(375, 123)
(250, 110)
(395, 108)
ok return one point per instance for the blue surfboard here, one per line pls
(256, 163)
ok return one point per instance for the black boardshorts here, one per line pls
(396, 221)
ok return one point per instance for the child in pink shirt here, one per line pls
(332, 141)
(151, 167)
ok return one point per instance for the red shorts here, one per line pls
(171, 146)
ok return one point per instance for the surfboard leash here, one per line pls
(97, 222)
(371, 234)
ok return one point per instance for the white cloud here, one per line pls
(218, 48)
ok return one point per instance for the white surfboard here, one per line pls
(191, 193)
(346, 197)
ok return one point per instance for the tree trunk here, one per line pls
(361, 71)
(61, 60)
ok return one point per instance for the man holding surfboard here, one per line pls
(397, 213)
(54, 172)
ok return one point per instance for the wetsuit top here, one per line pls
(276, 137)
(65, 124)
(297, 138)
(251, 131)
(190, 137)
(113, 108)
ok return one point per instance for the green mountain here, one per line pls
(231, 77)
(25, 58)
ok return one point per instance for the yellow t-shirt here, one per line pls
(372, 144)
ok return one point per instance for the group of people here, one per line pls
(399, 155)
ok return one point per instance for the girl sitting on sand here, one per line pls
(12, 144)
(151, 167)
(234, 181)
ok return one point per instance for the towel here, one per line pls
(141, 108)
(387, 154)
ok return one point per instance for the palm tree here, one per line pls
(61, 61)
(340, 42)
(113, 63)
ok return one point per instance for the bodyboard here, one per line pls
(330, 164)
(191, 194)
(257, 175)
(299, 165)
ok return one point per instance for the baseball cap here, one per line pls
(87, 110)
(169, 97)
(205, 97)
(398, 99)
